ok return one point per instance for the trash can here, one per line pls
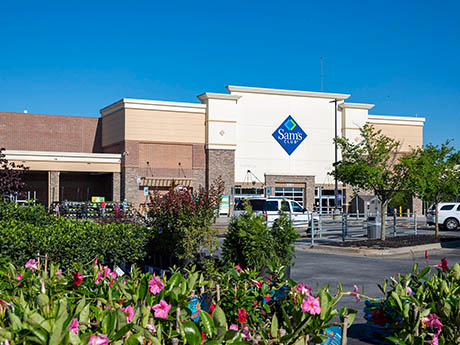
(374, 228)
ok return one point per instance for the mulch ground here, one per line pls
(395, 242)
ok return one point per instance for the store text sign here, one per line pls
(289, 135)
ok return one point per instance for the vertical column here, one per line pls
(116, 186)
(310, 193)
(417, 206)
(53, 186)
(221, 163)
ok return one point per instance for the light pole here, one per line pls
(336, 190)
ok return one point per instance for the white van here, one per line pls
(448, 215)
(270, 208)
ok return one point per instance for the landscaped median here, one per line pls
(392, 246)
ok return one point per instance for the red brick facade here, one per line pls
(39, 132)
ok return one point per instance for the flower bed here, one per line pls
(44, 305)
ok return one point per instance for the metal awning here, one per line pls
(165, 181)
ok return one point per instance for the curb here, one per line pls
(371, 252)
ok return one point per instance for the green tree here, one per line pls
(373, 164)
(435, 173)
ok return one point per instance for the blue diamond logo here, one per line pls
(289, 135)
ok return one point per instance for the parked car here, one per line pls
(270, 208)
(448, 215)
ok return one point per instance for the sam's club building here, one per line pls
(260, 141)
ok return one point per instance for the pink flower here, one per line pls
(100, 339)
(435, 340)
(426, 255)
(151, 328)
(32, 265)
(302, 288)
(99, 278)
(161, 309)
(95, 262)
(255, 303)
(238, 268)
(257, 283)
(432, 322)
(129, 313)
(311, 305)
(74, 326)
(77, 278)
(245, 334)
(242, 315)
(443, 265)
(155, 285)
(355, 293)
(233, 327)
(59, 274)
(106, 272)
(19, 277)
(114, 275)
(408, 291)
(111, 284)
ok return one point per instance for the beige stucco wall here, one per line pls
(409, 136)
(164, 126)
(113, 128)
(47, 165)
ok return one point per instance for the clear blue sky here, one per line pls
(75, 57)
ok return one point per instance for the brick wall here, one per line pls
(221, 163)
(308, 181)
(38, 132)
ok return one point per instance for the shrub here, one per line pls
(182, 220)
(68, 242)
(284, 237)
(248, 241)
(31, 214)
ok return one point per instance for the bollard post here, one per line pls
(394, 224)
(312, 229)
(320, 225)
(344, 226)
(415, 223)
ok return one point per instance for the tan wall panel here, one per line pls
(113, 128)
(70, 166)
(166, 126)
(409, 136)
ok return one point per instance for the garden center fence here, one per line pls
(352, 226)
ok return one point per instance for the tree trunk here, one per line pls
(383, 209)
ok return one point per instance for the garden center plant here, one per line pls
(46, 305)
(422, 308)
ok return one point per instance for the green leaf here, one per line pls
(143, 288)
(274, 327)
(174, 281)
(397, 341)
(207, 322)
(192, 334)
(324, 302)
(122, 332)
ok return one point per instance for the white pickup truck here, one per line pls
(270, 208)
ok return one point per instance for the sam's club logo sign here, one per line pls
(289, 135)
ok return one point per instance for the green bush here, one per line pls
(68, 242)
(248, 241)
(31, 214)
(284, 237)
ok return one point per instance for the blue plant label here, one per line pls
(289, 135)
(334, 335)
(194, 307)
